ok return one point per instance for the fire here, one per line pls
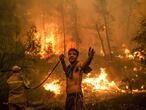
(54, 87)
(94, 84)
(102, 53)
(48, 42)
(142, 87)
(99, 83)
(128, 54)
(137, 55)
(91, 83)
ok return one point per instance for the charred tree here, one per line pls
(101, 40)
(101, 8)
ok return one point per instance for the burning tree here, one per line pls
(139, 56)
(140, 40)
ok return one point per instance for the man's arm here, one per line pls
(89, 59)
(61, 57)
(25, 81)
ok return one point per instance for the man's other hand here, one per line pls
(91, 52)
(61, 57)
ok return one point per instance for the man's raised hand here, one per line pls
(91, 52)
(61, 57)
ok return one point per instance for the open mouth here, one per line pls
(71, 59)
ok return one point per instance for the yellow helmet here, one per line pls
(16, 68)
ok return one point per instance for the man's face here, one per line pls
(72, 56)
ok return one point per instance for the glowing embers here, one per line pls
(100, 82)
(127, 54)
(54, 87)
(135, 55)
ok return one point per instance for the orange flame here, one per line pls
(99, 83)
(94, 84)
(128, 54)
(53, 87)
(49, 42)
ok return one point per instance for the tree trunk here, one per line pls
(102, 44)
(107, 36)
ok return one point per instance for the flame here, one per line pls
(54, 87)
(90, 83)
(142, 87)
(94, 84)
(127, 87)
(99, 83)
(127, 51)
(48, 42)
(137, 55)
(101, 52)
(128, 54)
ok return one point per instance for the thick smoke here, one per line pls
(123, 19)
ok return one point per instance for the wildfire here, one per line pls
(137, 55)
(142, 87)
(53, 87)
(128, 54)
(102, 53)
(99, 83)
(48, 42)
(93, 84)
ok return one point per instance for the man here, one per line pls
(74, 72)
(17, 89)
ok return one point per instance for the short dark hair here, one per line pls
(74, 49)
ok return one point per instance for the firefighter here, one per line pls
(17, 84)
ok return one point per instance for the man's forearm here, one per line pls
(63, 65)
(90, 57)
(88, 61)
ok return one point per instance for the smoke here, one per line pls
(123, 19)
(80, 24)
